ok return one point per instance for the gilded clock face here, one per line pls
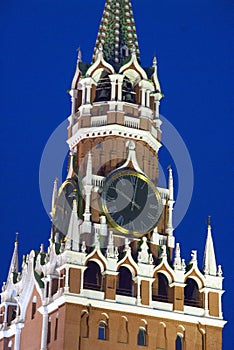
(131, 202)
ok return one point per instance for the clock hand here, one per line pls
(134, 195)
(128, 198)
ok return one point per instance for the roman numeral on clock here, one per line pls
(120, 220)
(133, 180)
(151, 217)
(153, 206)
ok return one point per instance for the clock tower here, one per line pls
(112, 276)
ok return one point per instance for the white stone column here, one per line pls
(44, 331)
(17, 337)
(82, 279)
(113, 86)
(143, 90)
(169, 228)
(120, 85)
(206, 306)
(157, 104)
(88, 94)
(83, 94)
(147, 98)
(220, 305)
(73, 94)
(66, 286)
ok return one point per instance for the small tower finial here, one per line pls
(16, 237)
(154, 61)
(79, 55)
(209, 221)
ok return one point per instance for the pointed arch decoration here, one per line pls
(123, 334)
(84, 324)
(161, 338)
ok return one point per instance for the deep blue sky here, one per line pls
(193, 41)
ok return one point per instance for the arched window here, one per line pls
(124, 282)
(179, 342)
(141, 337)
(160, 288)
(103, 90)
(102, 330)
(128, 93)
(192, 297)
(92, 276)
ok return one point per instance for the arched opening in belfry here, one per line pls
(160, 288)
(125, 285)
(192, 296)
(103, 89)
(128, 91)
(93, 276)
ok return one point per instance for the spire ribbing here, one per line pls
(117, 32)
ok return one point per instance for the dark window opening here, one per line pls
(56, 329)
(124, 282)
(34, 309)
(93, 276)
(192, 296)
(141, 337)
(103, 89)
(179, 343)
(160, 290)
(49, 332)
(128, 93)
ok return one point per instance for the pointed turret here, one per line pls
(14, 266)
(209, 264)
(54, 197)
(117, 32)
(70, 169)
(73, 234)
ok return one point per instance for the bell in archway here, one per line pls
(103, 95)
(129, 97)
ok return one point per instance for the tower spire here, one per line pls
(209, 265)
(73, 234)
(14, 266)
(117, 32)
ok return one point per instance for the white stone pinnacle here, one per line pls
(209, 264)
(73, 233)
(177, 261)
(143, 255)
